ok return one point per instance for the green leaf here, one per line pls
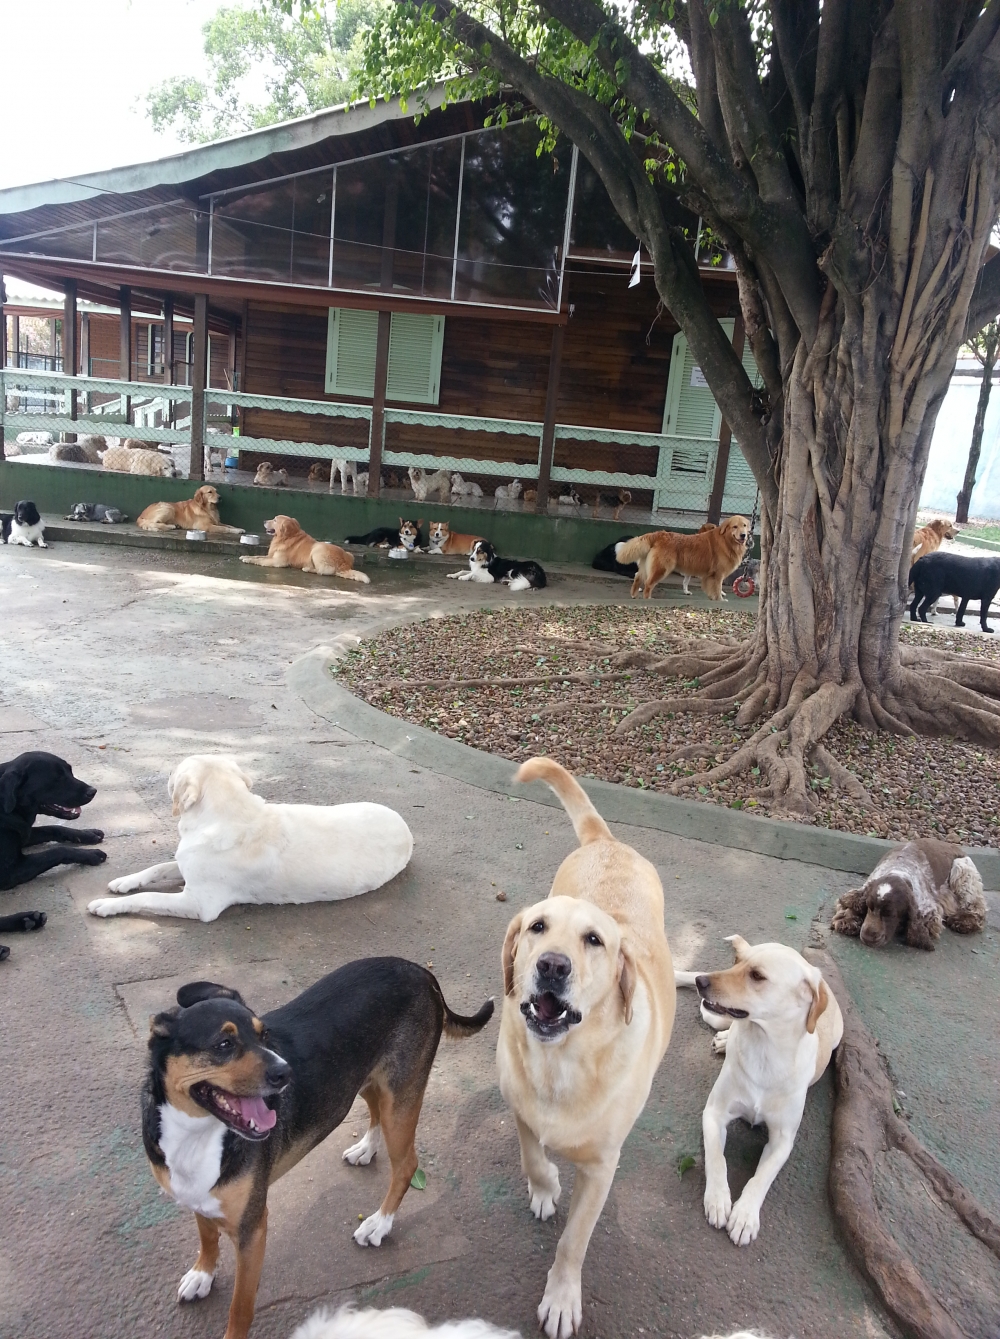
(684, 1164)
(419, 1179)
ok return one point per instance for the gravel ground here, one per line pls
(919, 787)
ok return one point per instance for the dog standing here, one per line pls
(780, 1023)
(235, 848)
(426, 485)
(587, 1015)
(967, 579)
(911, 893)
(233, 1101)
(928, 538)
(711, 554)
(291, 547)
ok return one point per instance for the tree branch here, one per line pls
(986, 28)
(985, 299)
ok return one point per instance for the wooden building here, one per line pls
(436, 294)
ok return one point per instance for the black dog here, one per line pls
(41, 783)
(607, 562)
(938, 574)
(233, 1101)
(6, 518)
(483, 559)
(384, 537)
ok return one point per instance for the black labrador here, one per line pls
(937, 574)
(33, 784)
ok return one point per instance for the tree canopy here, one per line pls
(266, 66)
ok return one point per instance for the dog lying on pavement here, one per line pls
(587, 1015)
(232, 1101)
(291, 547)
(911, 893)
(235, 848)
(778, 1023)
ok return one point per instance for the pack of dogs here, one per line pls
(232, 1098)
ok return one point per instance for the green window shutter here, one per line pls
(415, 346)
(740, 491)
(350, 352)
(690, 409)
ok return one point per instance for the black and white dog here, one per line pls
(96, 511)
(485, 566)
(33, 784)
(937, 574)
(25, 526)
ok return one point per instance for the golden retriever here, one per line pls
(928, 538)
(200, 512)
(292, 547)
(588, 1012)
(712, 554)
(779, 1024)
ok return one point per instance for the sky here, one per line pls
(74, 76)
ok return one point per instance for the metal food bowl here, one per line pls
(249, 539)
(196, 534)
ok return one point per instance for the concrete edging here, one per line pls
(310, 677)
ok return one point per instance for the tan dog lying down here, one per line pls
(198, 513)
(712, 554)
(292, 547)
(588, 1011)
(779, 1026)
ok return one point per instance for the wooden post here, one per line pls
(241, 371)
(231, 368)
(85, 344)
(3, 354)
(199, 380)
(382, 342)
(549, 426)
(15, 338)
(168, 350)
(725, 441)
(70, 363)
(125, 345)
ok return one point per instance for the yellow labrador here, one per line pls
(588, 1011)
(780, 1024)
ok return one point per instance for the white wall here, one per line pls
(950, 451)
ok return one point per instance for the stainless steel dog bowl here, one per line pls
(196, 534)
(249, 539)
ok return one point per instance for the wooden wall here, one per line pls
(105, 349)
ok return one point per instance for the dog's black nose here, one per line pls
(278, 1072)
(553, 967)
(702, 983)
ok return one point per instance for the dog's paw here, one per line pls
(105, 906)
(374, 1230)
(32, 920)
(126, 884)
(718, 1205)
(362, 1153)
(561, 1310)
(90, 858)
(744, 1223)
(846, 923)
(244, 558)
(88, 836)
(195, 1283)
(4, 952)
(544, 1198)
(719, 1042)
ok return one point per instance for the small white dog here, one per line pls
(780, 1023)
(426, 485)
(399, 1324)
(347, 469)
(234, 847)
(464, 487)
(511, 490)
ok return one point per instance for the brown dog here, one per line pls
(292, 547)
(711, 554)
(198, 513)
(444, 540)
(928, 538)
(318, 472)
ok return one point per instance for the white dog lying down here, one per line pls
(399, 1324)
(235, 847)
(779, 1024)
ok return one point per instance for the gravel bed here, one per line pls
(919, 787)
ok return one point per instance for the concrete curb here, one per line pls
(310, 677)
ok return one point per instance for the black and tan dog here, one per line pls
(233, 1101)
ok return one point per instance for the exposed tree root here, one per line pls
(571, 676)
(865, 1127)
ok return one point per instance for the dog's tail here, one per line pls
(589, 825)
(352, 575)
(632, 550)
(458, 1026)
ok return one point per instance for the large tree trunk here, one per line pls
(991, 341)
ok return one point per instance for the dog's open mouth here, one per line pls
(61, 811)
(250, 1117)
(549, 1016)
(714, 1008)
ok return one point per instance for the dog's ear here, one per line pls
(740, 946)
(401, 523)
(820, 999)
(184, 791)
(9, 783)
(196, 991)
(922, 929)
(626, 978)
(162, 1025)
(509, 951)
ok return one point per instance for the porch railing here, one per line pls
(683, 478)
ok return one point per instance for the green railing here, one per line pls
(683, 479)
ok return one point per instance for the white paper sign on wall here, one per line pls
(698, 377)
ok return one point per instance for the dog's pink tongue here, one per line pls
(255, 1109)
